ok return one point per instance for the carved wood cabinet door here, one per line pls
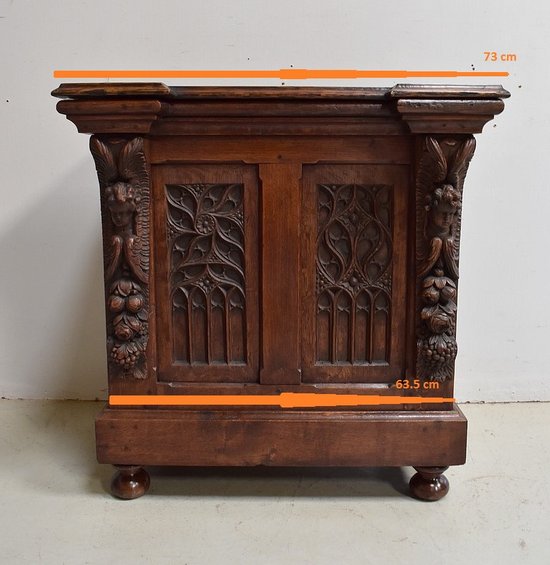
(280, 273)
(206, 257)
(354, 235)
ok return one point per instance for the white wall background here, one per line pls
(51, 317)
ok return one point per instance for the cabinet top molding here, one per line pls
(160, 90)
(158, 109)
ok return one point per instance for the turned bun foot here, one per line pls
(429, 483)
(130, 482)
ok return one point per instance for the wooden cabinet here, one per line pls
(281, 272)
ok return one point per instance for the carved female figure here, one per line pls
(122, 203)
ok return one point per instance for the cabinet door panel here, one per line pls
(207, 272)
(354, 267)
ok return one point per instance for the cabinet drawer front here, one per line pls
(354, 273)
(206, 258)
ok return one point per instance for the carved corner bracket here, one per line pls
(125, 208)
(442, 164)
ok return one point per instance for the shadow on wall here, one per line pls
(52, 291)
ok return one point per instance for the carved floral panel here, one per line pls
(207, 273)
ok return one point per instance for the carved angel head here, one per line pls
(442, 205)
(121, 201)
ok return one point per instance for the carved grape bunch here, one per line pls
(437, 352)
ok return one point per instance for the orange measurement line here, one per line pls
(284, 400)
(289, 74)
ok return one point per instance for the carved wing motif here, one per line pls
(459, 166)
(133, 168)
(439, 162)
(456, 176)
(113, 254)
(429, 259)
(131, 161)
(432, 170)
(107, 171)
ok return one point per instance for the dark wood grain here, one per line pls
(192, 252)
(292, 437)
(280, 252)
(448, 91)
(281, 239)
(367, 267)
(132, 89)
(111, 89)
(129, 482)
(429, 483)
(126, 214)
(162, 110)
(280, 149)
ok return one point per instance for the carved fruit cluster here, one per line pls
(439, 295)
(126, 355)
(437, 348)
(127, 304)
(437, 352)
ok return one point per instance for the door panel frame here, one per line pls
(396, 176)
(202, 173)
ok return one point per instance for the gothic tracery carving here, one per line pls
(207, 271)
(354, 258)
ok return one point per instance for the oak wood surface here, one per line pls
(292, 437)
(173, 330)
(161, 110)
(281, 239)
(375, 349)
(280, 251)
(263, 149)
(130, 89)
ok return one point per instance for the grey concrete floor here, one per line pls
(54, 505)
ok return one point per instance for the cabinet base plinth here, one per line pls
(430, 441)
(192, 437)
